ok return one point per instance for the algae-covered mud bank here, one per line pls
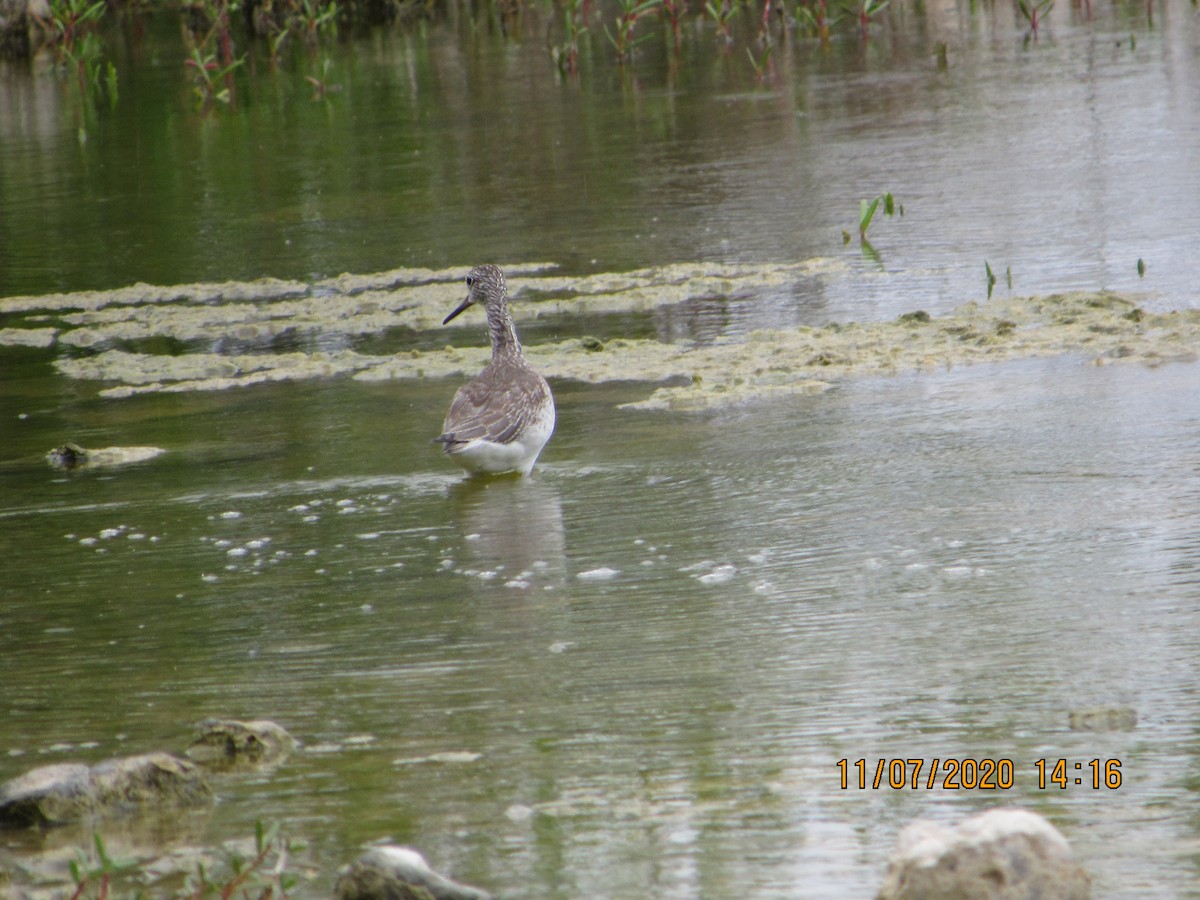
(216, 336)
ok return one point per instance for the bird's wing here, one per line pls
(494, 409)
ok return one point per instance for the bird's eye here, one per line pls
(470, 280)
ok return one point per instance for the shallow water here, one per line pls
(1064, 160)
(929, 566)
(634, 674)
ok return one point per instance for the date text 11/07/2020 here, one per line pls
(968, 774)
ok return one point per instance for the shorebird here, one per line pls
(500, 420)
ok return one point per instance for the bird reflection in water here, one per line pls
(512, 527)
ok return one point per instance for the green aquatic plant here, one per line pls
(85, 57)
(211, 57)
(209, 76)
(991, 278)
(1033, 11)
(72, 25)
(816, 21)
(253, 877)
(566, 54)
(310, 18)
(866, 214)
(722, 14)
(764, 22)
(263, 875)
(320, 85)
(110, 80)
(274, 44)
(93, 872)
(674, 11)
(760, 62)
(866, 10)
(631, 10)
(868, 208)
(69, 18)
(315, 20)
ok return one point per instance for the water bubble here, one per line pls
(518, 813)
(603, 573)
(719, 575)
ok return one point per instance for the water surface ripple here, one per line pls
(634, 674)
(660, 646)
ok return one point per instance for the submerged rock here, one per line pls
(72, 456)
(399, 873)
(48, 795)
(229, 743)
(1002, 853)
(1103, 718)
(59, 794)
(151, 779)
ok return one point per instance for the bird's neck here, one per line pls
(503, 332)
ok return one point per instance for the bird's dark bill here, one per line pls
(461, 307)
